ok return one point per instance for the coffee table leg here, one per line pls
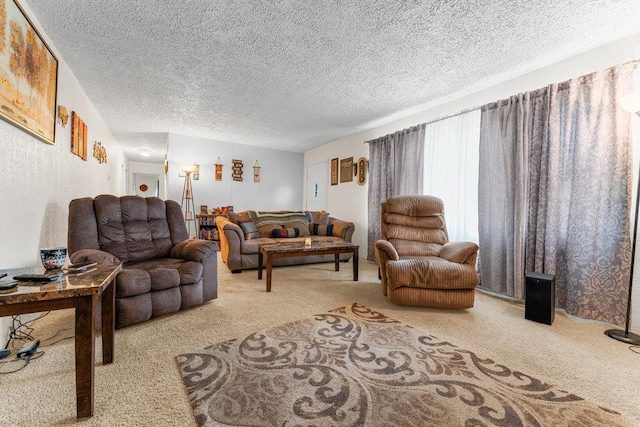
(355, 265)
(108, 322)
(337, 261)
(269, 269)
(259, 264)
(85, 354)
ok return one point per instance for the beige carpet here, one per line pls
(143, 387)
(354, 366)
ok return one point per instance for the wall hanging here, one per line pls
(218, 170)
(63, 115)
(256, 172)
(28, 92)
(346, 169)
(361, 170)
(99, 152)
(334, 171)
(79, 132)
(236, 171)
(196, 171)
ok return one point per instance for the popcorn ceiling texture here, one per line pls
(294, 74)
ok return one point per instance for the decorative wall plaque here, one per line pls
(361, 171)
(334, 171)
(218, 170)
(79, 133)
(236, 170)
(99, 152)
(346, 169)
(256, 172)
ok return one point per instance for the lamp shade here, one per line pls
(187, 168)
(631, 102)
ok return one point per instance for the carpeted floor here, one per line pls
(144, 387)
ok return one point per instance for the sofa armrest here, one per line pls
(231, 240)
(386, 252)
(459, 252)
(343, 229)
(92, 255)
(194, 249)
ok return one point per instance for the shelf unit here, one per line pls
(207, 228)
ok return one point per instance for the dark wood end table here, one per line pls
(281, 250)
(82, 291)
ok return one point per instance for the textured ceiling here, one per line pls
(295, 74)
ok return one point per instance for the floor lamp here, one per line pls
(187, 204)
(630, 103)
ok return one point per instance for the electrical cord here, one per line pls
(635, 349)
(26, 360)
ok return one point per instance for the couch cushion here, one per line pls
(285, 232)
(430, 273)
(251, 246)
(318, 217)
(249, 228)
(321, 229)
(133, 228)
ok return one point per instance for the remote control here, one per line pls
(35, 278)
(28, 349)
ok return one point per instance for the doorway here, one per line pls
(146, 185)
(317, 179)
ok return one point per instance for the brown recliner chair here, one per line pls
(164, 271)
(418, 264)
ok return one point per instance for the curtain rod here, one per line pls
(438, 119)
(635, 63)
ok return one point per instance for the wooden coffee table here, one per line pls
(82, 291)
(281, 250)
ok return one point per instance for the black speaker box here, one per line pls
(540, 298)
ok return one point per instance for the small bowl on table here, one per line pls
(53, 258)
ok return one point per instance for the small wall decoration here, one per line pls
(256, 172)
(28, 85)
(63, 115)
(218, 170)
(361, 170)
(79, 132)
(99, 152)
(334, 171)
(236, 170)
(346, 169)
(143, 187)
(196, 171)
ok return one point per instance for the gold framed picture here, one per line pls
(346, 169)
(334, 171)
(28, 93)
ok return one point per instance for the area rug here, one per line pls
(355, 367)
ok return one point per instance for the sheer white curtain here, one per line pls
(451, 162)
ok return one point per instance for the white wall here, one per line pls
(39, 180)
(280, 186)
(349, 201)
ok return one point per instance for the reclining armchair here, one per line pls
(163, 270)
(418, 264)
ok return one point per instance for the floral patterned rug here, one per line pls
(356, 367)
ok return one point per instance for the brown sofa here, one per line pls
(164, 271)
(418, 264)
(242, 233)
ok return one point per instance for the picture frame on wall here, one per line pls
(334, 171)
(346, 169)
(29, 90)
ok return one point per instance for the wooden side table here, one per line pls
(80, 291)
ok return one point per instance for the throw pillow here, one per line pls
(237, 218)
(249, 228)
(267, 222)
(285, 232)
(321, 229)
(318, 217)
